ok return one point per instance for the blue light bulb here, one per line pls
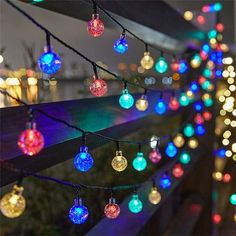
(49, 62)
(160, 107)
(221, 152)
(200, 130)
(198, 106)
(126, 99)
(165, 181)
(121, 45)
(183, 66)
(139, 162)
(78, 213)
(161, 65)
(194, 87)
(171, 150)
(135, 205)
(83, 161)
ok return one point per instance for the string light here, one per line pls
(196, 61)
(112, 210)
(184, 100)
(178, 170)
(171, 150)
(160, 107)
(232, 199)
(13, 204)
(147, 61)
(139, 162)
(126, 100)
(121, 45)
(135, 205)
(200, 130)
(183, 66)
(178, 140)
(83, 161)
(78, 213)
(173, 104)
(154, 196)
(142, 103)
(193, 143)
(155, 156)
(198, 119)
(165, 181)
(174, 65)
(161, 65)
(184, 158)
(198, 106)
(119, 162)
(188, 130)
(188, 15)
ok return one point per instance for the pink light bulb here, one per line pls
(198, 119)
(95, 27)
(173, 104)
(112, 210)
(155, 156)
(31, 141)
(207, 115)
(98, 87)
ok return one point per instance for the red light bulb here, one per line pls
(203, 55)
(201, 20)
(226, 178)
(31, 141)
(201, 80)
(112, 210)
(98, 87)
(173, 104)
(177, 171)
(220, 27)
(174, 66)
(207, 115)
(216, 218)
(198, 119)
(95, 27)
(155, 156)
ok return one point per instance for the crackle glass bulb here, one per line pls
(83, 161)
(126, 100)
(142, 103)
(78, 213)
(147, 61)
(171, 150)
(154, 141)
(49, 62)
(135, 205)
(184, 158)
(198, 119)
(165, 181)
(174, 66)
(112, 210)
(119, 162)
(184, 100)
(207, 115)
(121, 45)
(183, 66)
(177, 171)
(200, 130)
(174, 104)
(155, 156)
(154, 196)
(198, 106)
(31, 141)
(13, 204)
(98, 87)
(178, 140)
(161, 65)
(160, 107)
(139, 162)
(193, 143)
(188, 130)
(95, 26)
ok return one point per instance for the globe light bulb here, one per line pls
(154, 141)
(31, 141)
(184, 158)
(147, 61)
(83, 161)
(126, 99)
(161, 65)
(142, 103)
(135, 205)
(174, 65)
(177, 171)
(208, 102)
(165, 181)
(78, 213)
(12, 204)
(95, 26)
(188, 130)
(184, 100)
(119, 162)
(232, 199)
(183, 66)
(155, 156)
(160, 107)
(195, 61)
(198, 119)
(49, 62)
(193, 143)
(112, 210)
(178, 140)
(198, 106)
(98, 87)
(194, 87)
(154, 196)
(171, 150)
(174, 104)
(207, 115)
(139, 162)
(200, 130)
(121, 45)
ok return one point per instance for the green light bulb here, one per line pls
(184, 100)
(212, 34)
(232, 199)
(188, 130)
(207, 73)
(161, 65)
(139, 162)
(135, 205)
(206, 85)
(208, 102)
(184, 158)
(126, 99)
(217, 6)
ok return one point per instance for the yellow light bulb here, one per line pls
(142, 103)
(193, 143)
(119, 162)
(13, 204)
(228, 153)
(154, 196)
(188, 15)
(147, 61)
(234, 147)
(195, 63)
(190, 94)
(179, 140)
